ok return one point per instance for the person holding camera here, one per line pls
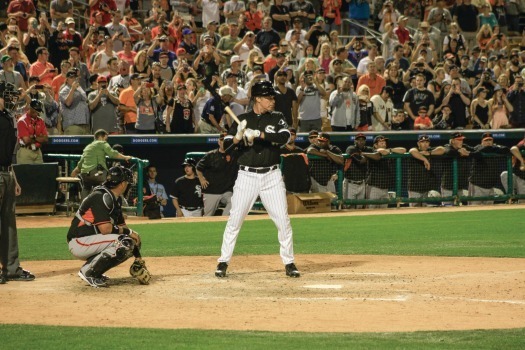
(516, 97)
(485, 82)
(440, 17)
(59, 10)
(103, 106)
(317, 35)
(42, 67)
(309, 94)
(117, 31)
(22, 10)
(104, 7)
(76, 117)
(458, 102)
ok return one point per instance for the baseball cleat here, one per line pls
(24, 276)
(221, 270)
(92, 281)
(292, 271)
(3, 280)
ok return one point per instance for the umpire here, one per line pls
(264, 131)
(9, 188)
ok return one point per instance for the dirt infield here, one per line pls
(337, 293)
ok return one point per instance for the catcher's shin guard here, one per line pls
(114, 255)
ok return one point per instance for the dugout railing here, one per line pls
(458, 171)
(138, 165)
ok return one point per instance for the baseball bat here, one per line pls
(227, 109)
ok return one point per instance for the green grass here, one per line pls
(497, 233)
(45, 337)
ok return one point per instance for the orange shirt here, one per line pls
(126, 98)
(38, 68)
(57, 83)
(375, 85)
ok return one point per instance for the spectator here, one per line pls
(59, 10)
(132, 24)
(516, 97)
(403, 35)
(501, 108)
(179, 113)
(383, 109)
(363, 62)
(359, 12)
(22, 10)
(280, 16)
(416, 97)
(366, 109)
(83, 71)
(9, 75)
(487, 17)
(468, 13)
(245, 47)
(423, 121)
(103, 8)
(344, 106)
(103, 106)
(309, 94)
(145, 43)
(228, 42)
(33, 39)
(374, 81)
(393, 80)
(127, 54)
(76, 117)
(102, 58)
(286, 99)
(481, 111)
(303, 10)
(141, 64)
(44, 70)
(146, 109)
(232, 10)
(267, 36)
(458, 103)
(213, 112)
(59, 80)
(127, 105)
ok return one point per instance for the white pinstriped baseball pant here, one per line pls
(270, 187)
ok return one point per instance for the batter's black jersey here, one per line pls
(323, 169)
(355, 170)
(486, 171)
(7, 138)
(220, 169)
(419, 178)
(263, 153)
(99, 207)
(464, 164)
(188, 192)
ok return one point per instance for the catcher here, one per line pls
(99, 235)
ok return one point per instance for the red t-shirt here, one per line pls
(28, 127)
(24, 6)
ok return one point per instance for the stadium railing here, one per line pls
(398, 190)
(71, 160)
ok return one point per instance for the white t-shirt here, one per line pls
(210, 12)
(384, 109)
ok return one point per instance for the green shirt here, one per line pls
(95, 154)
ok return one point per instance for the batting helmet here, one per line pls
(117, 175)
(263, 88)
(190, 161)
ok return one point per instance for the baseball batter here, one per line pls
(99, 235)
(265, 132)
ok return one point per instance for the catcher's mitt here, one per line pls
(140, 272)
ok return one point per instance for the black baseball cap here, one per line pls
(423, 138)
(323, 136)
(360, 136)
(380, 138)
(486, 136)
(457, 136)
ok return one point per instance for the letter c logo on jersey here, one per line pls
(270, 129)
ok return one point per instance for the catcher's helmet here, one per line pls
(117, 175)
(10, 95)
(189, 161)
(263, 88)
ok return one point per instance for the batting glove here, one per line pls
(240, 130)
(251, 134)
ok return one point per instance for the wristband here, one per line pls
(115, 229)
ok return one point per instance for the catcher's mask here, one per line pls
(10, 95)
(117, 175)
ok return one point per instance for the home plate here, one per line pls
(324, 286)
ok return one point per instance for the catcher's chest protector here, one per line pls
(295, 172)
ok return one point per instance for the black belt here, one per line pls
(263, 170)
(190, 208)
(5, 168)
(356, 182)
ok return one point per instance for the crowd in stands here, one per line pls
(153, 66)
